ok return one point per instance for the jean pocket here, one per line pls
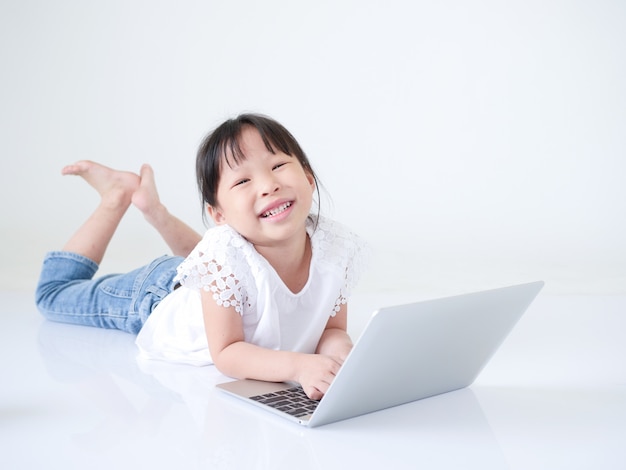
(116, 285)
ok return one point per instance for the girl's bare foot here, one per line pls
(114, 186)
(116, 189)
(146, 198)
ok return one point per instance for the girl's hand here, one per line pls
(316, 372)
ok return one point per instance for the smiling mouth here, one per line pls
(276, 210)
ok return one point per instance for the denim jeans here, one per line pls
(68, 293)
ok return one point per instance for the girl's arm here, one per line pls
(239, 359)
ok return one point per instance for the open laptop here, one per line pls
(405, 353)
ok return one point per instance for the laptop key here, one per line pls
(292, 401)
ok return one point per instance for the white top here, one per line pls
(273, 316)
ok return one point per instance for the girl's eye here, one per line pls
(276, 167)
(242, 181)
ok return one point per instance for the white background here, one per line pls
(473, 144)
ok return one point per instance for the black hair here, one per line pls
(222, 146)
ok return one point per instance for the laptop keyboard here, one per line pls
(292, 401)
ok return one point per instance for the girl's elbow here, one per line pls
(225, 364)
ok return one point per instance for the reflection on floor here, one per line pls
(554, 396)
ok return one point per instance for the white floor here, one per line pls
(554, 396)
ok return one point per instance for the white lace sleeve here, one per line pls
(346, 251)
(218, 265)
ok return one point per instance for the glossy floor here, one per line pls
(554, 396)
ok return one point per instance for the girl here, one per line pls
(262, 295)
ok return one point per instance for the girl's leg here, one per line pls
(116, 189)
(67, 292)
(179, 236)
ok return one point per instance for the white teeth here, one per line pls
(277, 210)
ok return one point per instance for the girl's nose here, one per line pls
(269, 185)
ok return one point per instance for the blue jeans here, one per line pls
(68, 293)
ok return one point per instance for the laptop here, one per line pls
(405, 353)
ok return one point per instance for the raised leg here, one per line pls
(179, 236)
(116, 189)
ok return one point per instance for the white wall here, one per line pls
(472, 143)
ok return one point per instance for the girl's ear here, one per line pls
(216, 215)
(311, 180)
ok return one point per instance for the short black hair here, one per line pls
(222, 146)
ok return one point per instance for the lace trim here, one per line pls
(225, 264)
(345, 250)
(216, 265)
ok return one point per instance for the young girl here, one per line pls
(262, 295)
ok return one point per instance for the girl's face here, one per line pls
(266, 197)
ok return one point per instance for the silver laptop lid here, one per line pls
(418, 350)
